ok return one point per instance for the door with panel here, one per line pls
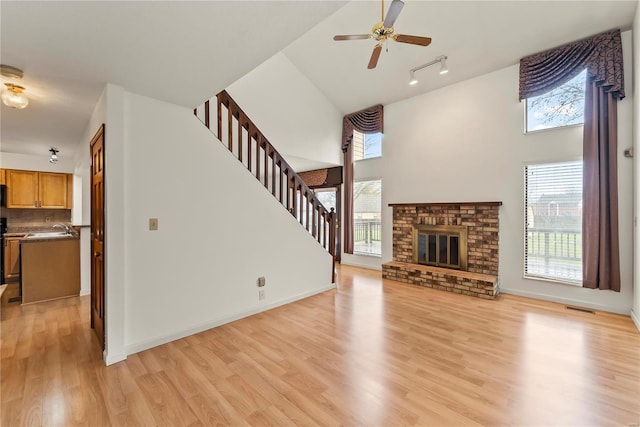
(97, 235)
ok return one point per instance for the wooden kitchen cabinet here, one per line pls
(34, 190)
(12, 258)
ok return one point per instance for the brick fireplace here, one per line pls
(476, 225)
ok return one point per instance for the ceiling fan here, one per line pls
(383, 31)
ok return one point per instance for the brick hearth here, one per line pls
(482, 222)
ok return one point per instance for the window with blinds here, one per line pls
(553, 222)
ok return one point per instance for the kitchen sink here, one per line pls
(47, 235)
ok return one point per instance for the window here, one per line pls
(562, 106)
(553, 230)
(367, 208)
(327, 197)
(366, 146)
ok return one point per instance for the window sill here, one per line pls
(527, 132)
(555, 281)
(367, 254)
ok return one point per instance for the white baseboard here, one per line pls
(361, 265)
(84, 292)
(141, 346)
(110, 359)
(636, 319)
(560, 300)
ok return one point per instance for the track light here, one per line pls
(412, 78)
(443, 65)
(443, 68)
(54, 155)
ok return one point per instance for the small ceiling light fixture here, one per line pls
(443, 68)
(13, 96)
(54, 155)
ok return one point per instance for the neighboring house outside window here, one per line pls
(366, 146)
(553, 231)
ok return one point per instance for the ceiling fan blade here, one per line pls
(393, 13)
(374, 56)
(352, 37)
(403, 38)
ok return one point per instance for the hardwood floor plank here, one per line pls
(371, 353)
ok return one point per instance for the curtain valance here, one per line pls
(369, 120)
(601, 55)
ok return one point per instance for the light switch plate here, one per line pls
(153, 224)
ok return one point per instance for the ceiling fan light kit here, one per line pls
(442, 59)
(13, 96)
(383, 31)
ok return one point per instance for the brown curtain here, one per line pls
(369, 120)
(601, 55)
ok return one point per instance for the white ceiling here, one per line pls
(180, 52)
(477, 36)
(184, 52)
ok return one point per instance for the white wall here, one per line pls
(465, 142)
(290, 111)
(219, 230)
(35, 163)
(81, 213)
(636, 143)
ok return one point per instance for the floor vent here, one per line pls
(583, 310)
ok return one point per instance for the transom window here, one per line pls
(562, 106)
(366, 146)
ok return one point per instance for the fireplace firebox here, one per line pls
(440, 246)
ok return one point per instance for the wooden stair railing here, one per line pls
(245, 141)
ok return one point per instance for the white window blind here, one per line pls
(553, 221)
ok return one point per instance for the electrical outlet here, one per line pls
(261, 295)
(153, 224)
(47, 219)
(261, 281)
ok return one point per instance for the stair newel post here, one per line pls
(332, 232)
(332, 243)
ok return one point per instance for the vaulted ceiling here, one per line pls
(184, 52)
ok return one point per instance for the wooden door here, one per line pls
(22, 189)
(52, 189)
(97, 235)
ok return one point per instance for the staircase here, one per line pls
(245, 141)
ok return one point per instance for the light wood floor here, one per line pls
(374, 353)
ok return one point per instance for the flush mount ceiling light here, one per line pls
(443, 68)
(13, 96)
(54, 155)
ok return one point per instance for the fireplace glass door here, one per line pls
(439, 249)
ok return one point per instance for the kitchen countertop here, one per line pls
(50, 239)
